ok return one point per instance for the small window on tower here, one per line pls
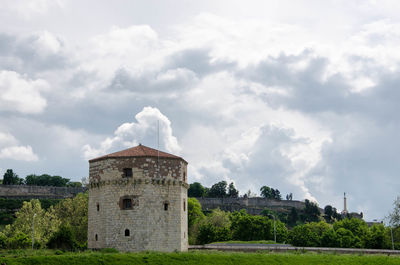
(96, 237)
(127, 172)
(165, 206)
(127, 204)
(98, 207)
(127, 232)
(184, 176)
(184, 205)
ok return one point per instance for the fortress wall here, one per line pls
(38, 192)
(252, 205)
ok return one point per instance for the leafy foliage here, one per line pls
(64, 239)
(232, 191)
(74, 213)
(218, 190)
(270, 193)
(46, 180)
(196, 190)
(10, 178)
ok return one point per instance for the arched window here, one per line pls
(96, 237)
(127, 232)
(166, 206)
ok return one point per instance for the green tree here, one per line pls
(377, 237)
(311, 212)
(395, 215)
(10, 178)
(232, 191)
(46, 222)
(293, 216)
(218, 190)
(46, 180)
(196, 190)
(64, 239)
(195, 214)
(304, 236)
(270, 193)
(346, 238)
(74, 213)
(328, 211)
(266, 192)
(329, 238)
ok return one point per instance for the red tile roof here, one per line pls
(138, 151)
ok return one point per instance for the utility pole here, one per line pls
(33, 230)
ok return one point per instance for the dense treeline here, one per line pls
(347, 233)
(9, 206)
(63, 225)
(10, 178)
(223, 190)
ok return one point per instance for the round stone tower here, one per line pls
(138, 201)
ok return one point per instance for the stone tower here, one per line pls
(138, 201)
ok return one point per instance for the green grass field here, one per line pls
(192, 257)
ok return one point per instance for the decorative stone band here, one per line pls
(125, 182)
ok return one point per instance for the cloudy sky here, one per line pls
(302, 96)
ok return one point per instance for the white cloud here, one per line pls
(9, 149)
(29, 8)
(24, 153)
(143, 131)
(18, 93)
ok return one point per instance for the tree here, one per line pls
(10, 178)
(266, 192)
(64, 239)
(289, 196)
(232, 191)
(328, 211)
(293, 216)
(196, 190)
(395, 215)
(270, 193)
(218, 190)
(74, 213)
(46, 222)
(46, 180)
(311, 212)
(195, 214)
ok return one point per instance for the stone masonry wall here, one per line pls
(38, 192)
(151, 227)
(252, 205)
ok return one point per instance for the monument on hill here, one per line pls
(138, 201)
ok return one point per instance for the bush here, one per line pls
(303, 236)
(63, 239)
(20, 240)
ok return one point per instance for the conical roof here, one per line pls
(138, 151)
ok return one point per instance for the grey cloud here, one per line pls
(197, 60)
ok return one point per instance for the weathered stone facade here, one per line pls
(144, 209)
(251, 205)
(38, 192)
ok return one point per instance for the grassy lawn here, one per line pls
(192, 257)
(247, 242)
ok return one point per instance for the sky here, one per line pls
(302, 96)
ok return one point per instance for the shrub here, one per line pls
(63, 239)
(20, 240)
